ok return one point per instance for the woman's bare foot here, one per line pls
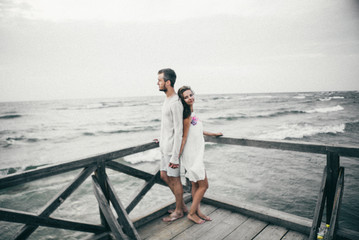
(204, 217)
(195, 218)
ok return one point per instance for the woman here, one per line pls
(192, 150)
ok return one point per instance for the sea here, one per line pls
(37, 134)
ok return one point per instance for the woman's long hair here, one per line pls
(186, 108)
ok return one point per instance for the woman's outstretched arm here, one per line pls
(212, 134)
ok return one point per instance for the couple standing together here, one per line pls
(182, 139)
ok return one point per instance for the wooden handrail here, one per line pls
(344, 151)
(19, 178)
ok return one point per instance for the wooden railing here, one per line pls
(120, 228)
(332, 186)
(330, 192)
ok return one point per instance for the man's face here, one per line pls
(161, 83)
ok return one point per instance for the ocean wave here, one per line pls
(147, 156)
(276, 114)
(120, 131)
(88, 134)
(103, 105)
(330, 98)
(220, 98)
(228, 118)
(7, 142)
(298, 131)
(11, 116)
(326, 109)
(299, 97)
(267, 115)
(12, 170)
(255, 97)
(352, 127)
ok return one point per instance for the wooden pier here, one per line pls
(231, 220)
(228, 223)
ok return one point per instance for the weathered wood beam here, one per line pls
(123, 217)
(133, 172)
(10, 215)
(106, 210)
(20, 178)
(146, 187)
(101, 236)
(336, 206)
(345, 151)
(290, 221)
(332, 178)
(319, 208)
(100, 174)
(55, 202)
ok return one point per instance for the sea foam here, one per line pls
(326, 109)
(147, 156)
(330, 98)
(301, 131)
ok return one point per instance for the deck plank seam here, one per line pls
(237, 226)
(261, 231)
(285, 234)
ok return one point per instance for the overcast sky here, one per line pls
(62, 49)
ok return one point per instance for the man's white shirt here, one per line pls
(171, 128)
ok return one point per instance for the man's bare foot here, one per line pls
(195, 218)
(204, 217)
(184, 209)
(172, 217)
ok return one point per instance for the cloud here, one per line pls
(149, 11)
(14, 9)
(252, 47)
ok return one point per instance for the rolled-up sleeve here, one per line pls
(177, 113)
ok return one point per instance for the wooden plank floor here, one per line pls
(225, 225)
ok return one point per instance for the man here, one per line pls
(171, 138)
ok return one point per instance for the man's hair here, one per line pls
(168, 75)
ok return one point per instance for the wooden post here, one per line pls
(123, 218)
(100, 173)
(110, 219)
(332, 177)
(336, 207)
(318, 213)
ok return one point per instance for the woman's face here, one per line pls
(188, 97)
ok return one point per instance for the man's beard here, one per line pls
(163, 89)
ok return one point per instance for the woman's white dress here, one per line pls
(192, 156)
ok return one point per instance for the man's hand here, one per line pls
(156, 140)
(172, 165)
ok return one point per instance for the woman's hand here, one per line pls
(218, 134)
(172, 165)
